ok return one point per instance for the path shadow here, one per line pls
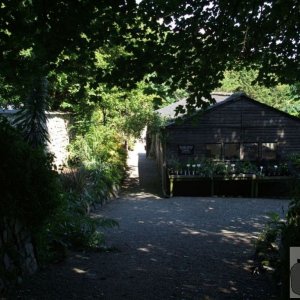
(149, 177)
(148, 180)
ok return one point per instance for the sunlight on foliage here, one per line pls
(281, 96)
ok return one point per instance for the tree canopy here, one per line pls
(206, 37)
(190, 43)
(35, 34)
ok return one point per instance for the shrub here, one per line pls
(29, 187)
(71, 228)
(274, 243)
(100, 151)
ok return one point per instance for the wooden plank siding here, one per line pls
(238, 119)
(241, 120)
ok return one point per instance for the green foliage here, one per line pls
(208, 167)
(29, 188)
(268, 247)
(84, 48)
(71, 226)
(101, 154)
(187, 44)
(75, 229)
(113, 117)
(202, 39)
(280, 96)
(274, 243)
(106, 118)
(101, 147)
(164, 91)
(156, 125)
(246, 167)
(54, 207)
(98, 157)
(139, 110)
(31, 119)
(8, 96)
(33, 39)
(127, 108)
(267, 243)
(294, 163)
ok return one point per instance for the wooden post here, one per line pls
(171, 187)
(256, 188)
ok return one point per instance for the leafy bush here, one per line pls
(54, 207)
(99, 152)
(267, 245)
(72, 227)
(209, 167)
(97, 165)
(275, 241)
(294, 163)
(29, 187)
(290, 237)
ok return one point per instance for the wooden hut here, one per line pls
(235, 129)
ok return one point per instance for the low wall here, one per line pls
(17, 256)
(57, 125)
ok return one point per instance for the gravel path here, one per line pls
(179, 248)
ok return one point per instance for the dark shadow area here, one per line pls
(221, 189)
(149, 177)
(192, 188)
(279, 189)
(231, 188)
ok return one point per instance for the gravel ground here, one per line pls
(178, 248)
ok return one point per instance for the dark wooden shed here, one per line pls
(236, 128)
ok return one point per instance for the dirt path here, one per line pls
(179, 248)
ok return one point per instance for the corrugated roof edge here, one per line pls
(169, 110)
(232, 97)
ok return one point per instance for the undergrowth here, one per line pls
(96, 169)
(273, 245)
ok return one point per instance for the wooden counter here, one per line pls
(255, 180)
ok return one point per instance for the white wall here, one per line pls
(57, 125)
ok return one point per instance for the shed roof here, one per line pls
(221, 99)
(169, 111)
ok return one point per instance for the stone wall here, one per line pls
(57, 125)
(17, 257)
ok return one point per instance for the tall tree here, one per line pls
(190, 41)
